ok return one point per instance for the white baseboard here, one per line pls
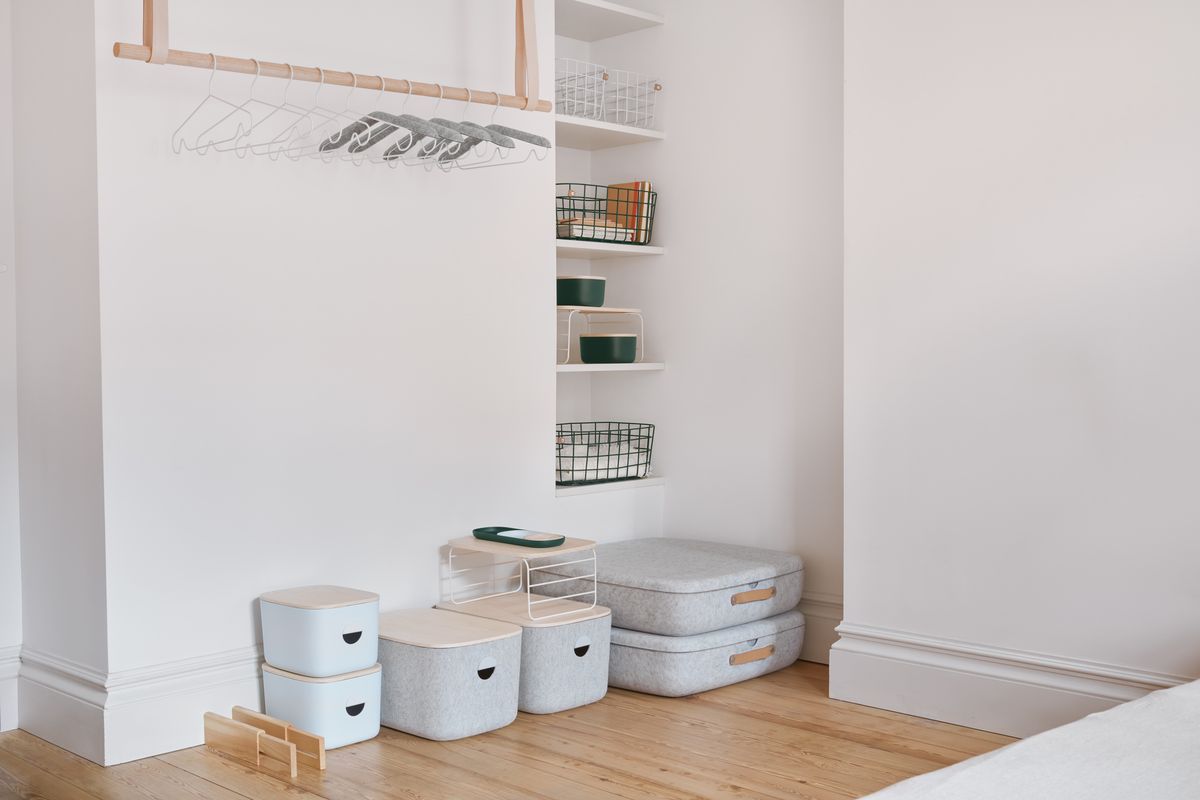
(159, 709)
(822, 614)
(63, 703)
(1012, 692)
(135, 713)
(10, 663)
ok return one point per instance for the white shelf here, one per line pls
(592, 134)
(592, 20)
(642, 366)
(614, 486)
(573, 248)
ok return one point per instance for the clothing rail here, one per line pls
(154, 50)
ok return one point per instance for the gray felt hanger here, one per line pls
(392, 123)
(522, 136)
(441, 134)
(378, 125)
(353, 130)
(475, 135)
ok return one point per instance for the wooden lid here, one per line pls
(520, 551)
(433, 627)
(314, 597)
(513, 608)
(283, 673)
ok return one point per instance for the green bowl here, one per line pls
(608, 348)
(581, 290)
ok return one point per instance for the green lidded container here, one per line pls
(581, 290)
(608, 348)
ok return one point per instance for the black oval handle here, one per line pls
(581, 651)
(486, 672)
(352, 637)
(355, 709)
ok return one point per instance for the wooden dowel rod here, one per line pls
(186, 58)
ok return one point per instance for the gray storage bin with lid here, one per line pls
(564, 659)
(678, 587)
(447, 675)
(320, 631)
(673, 666)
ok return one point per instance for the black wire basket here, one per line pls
(622, 213)
(599, 452)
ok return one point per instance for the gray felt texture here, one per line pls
(673, 666)
(553, 677)
(347, 133)
(679, 587)
(389, 124)
(439, 693)
(524, 136)
(488, 135)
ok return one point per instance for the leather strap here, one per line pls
(527, 81)
(752, 655)
(752, 596)
(154, 30)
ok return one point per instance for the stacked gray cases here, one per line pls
(691, 616)
(447, 675)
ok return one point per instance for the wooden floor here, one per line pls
(778, 736)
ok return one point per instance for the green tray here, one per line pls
(495, 534)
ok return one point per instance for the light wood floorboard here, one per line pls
(778, 737)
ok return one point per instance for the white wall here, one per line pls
(312, 372)
(1022, 190)
(745, 307)
(10, 531)
(58, 359)
(316, 373)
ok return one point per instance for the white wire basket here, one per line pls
(592, 91)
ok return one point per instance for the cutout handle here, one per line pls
(752, 596)
(351, 637)
(751, 656)
(355, 709)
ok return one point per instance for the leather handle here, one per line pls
(752, 655)
(752, 596)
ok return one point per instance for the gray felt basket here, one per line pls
(674, 666)
(564, 659)
(678, 587)
(447, 675)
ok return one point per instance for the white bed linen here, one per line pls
(1147, 749)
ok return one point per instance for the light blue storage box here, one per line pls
(447, 675)
(320, 631)
(564, 657)
(343, 708)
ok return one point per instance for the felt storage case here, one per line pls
(564, 658)
(678, 587)
(673, 666)
(343, 708)
(447, 675)
(320, 631)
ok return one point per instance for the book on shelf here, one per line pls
(628, 206)
(595, 229)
